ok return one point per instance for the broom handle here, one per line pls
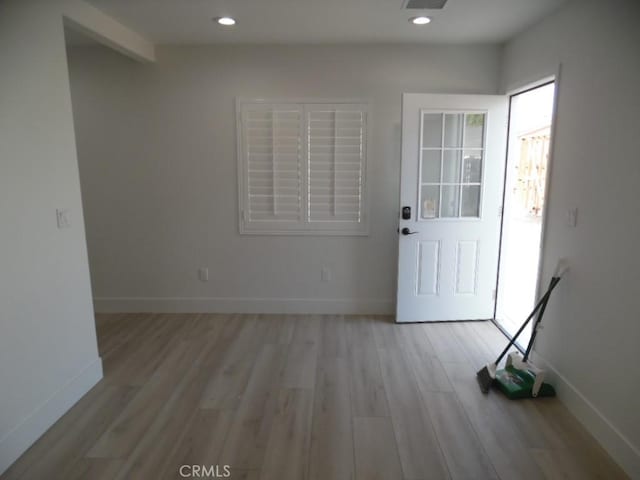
(543, 300)
(554, 282)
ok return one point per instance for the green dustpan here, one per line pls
(516, 383)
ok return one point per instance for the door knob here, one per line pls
(406, 231)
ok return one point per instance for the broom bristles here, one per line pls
(485, 377)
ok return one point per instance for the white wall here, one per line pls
(158, 168)
(48, 354)
(592, 325)
(156, 145)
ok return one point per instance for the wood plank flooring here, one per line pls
(285, 397)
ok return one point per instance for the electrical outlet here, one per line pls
(63, 218)
(325, 274)
(203, 274)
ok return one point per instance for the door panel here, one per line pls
(428, 267)
(466, 267)
(453, 151)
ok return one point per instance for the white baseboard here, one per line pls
(612, 440)
(336, 306)
(20, 438)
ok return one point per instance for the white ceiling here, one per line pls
(325, 21)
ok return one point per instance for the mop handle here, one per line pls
(543, 300)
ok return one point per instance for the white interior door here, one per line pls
(453, 155)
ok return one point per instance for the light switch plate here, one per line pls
(325, 274)
(203, 274)
(63, 218)
(572, 217)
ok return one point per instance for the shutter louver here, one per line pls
(336, 156)
(273, 163)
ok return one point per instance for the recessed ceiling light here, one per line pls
(227, 21)
(420, 20)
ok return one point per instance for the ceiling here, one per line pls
(325, 21)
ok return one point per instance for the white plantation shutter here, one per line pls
(337, 143)
(273, 163)
(302, 167)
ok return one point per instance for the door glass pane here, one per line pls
(453, 123)
(431, 130)
(474, 130)
(431, 166)
(450, 200)
(430, 201)
(452, 163)
(451, 166)
(470, 201)
(472, 166)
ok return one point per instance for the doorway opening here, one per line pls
(530, 127)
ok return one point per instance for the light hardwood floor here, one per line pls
(284, 397)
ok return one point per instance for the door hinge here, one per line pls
(494, 293)
(500, 211)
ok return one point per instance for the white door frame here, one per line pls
(545, 80)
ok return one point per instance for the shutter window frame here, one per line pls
(332, 150)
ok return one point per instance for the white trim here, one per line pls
(344, 306)
(540, 284)
(318, 231)
(242, 213)
(23, 435)
(531, 85)
(303, 226)
(307, 100)
(547, 186)
(625, 453)
(92, 22)
(536, 81)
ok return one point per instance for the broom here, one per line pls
(487, 374)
